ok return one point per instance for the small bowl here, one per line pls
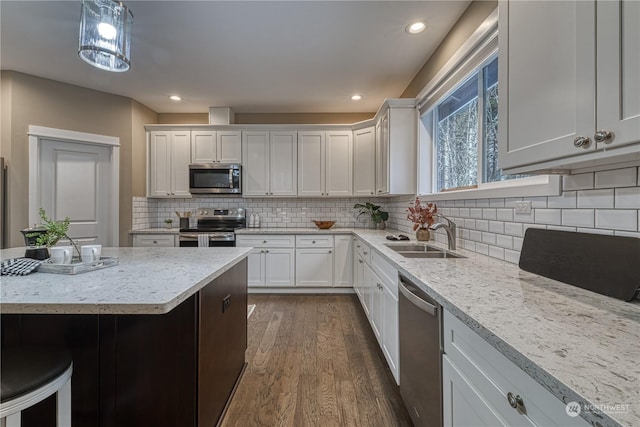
(324, 225)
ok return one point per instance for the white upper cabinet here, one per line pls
(396, 147)
(209, 146)
(169, 158)
(569, 92)
(325, 163)
(269, 167)
(364, 162)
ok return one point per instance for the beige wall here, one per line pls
(42, 102)
(183, 118)
(470, 20)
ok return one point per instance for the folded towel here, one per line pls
(19, 266)
(203, 240)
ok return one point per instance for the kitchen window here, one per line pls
(458, 139)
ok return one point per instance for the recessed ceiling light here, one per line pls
(175, 98)
(356, 97)
(416, 27)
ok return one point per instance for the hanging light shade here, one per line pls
(105, 34)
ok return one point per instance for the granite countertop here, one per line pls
(579, 345)
(292, 230)
(147, 281)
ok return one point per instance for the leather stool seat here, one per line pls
(30, 375)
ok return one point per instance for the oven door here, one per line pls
(215, 178)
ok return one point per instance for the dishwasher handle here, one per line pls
(423, 305)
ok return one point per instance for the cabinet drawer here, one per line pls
(266, 241)
(363, 250)
(154, 240)
(494, 376)
(386, 271)
(311, 241)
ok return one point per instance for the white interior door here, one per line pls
(76, 175)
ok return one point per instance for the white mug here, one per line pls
(61, 254)
(90, 253)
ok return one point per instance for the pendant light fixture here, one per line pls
(105, 34)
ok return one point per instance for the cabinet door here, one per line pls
(283, 165)
(462, 404)
(618, 68)
(376, 291)
(160, 164)
(342, 261)
(314, 267)
(203, 146)
(180, 159)
(390, 345)
(311, 164)
(382, 154)
(364, 162)
(255, 173)
(154, 240)
(256, 268)
(338, 163)
(546, 81)
(358, 277)
(229, 147)
(279, 267)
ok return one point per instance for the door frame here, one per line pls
(40, 134)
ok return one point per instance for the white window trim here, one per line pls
(457, 67)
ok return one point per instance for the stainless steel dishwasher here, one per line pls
(420, 322)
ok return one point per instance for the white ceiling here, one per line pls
(255, 56)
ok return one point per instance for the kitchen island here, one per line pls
(157, 340)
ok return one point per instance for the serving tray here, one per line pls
(78, 267)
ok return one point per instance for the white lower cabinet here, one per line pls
(342, 261)
(481, 387)
(272, 261)
(314, 267)
(154, 240)
(375, 282)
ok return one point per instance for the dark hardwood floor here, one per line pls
(314, 361)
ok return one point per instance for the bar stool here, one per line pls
(28, 376)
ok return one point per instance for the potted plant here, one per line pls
(376, 215)
(168, 222)
(422, 216)
(51, 232)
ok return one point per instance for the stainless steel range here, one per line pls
(215, 226)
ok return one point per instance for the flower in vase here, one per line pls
(422, 215)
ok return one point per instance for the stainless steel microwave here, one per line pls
(215, 178)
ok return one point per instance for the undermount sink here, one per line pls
(417, 250)
(439, 254)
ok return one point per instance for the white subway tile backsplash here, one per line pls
(548, 216)
(496, 203)
(489, 213)
(578, 217)
(581, 181)
(617, 219)
(496, 227)
(595, 198)
(475, 212)
(482, 248)
(537, 202)
(627, 234)
(512, 256)
(504, 214)
(594, 231)
(504, 241)
(482, 203)
(482, 225)
(565, 200)
(496, 252)
(489, 238)
(626, 177)
(517, 243)
(561, 228)
(513, 229)
(627, 198)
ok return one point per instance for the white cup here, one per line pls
(61, 254)
(90, 253)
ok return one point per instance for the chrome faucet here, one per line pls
(450, 228)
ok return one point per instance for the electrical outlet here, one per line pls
(523, 207)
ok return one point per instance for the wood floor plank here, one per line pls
(314, 361)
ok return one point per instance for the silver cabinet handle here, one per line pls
(581, 142)
(603, 136)
(365, 252)
(516, 402)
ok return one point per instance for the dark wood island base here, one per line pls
(175, 369)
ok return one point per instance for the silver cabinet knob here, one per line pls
(266, 252)
(581, 141)
(603, 136)
(155, 242)
(360, 261)
(329, 251)
(516, 402)
(313, 242)
(264, 241)
(266, 194)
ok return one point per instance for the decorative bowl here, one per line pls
(324, 225)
